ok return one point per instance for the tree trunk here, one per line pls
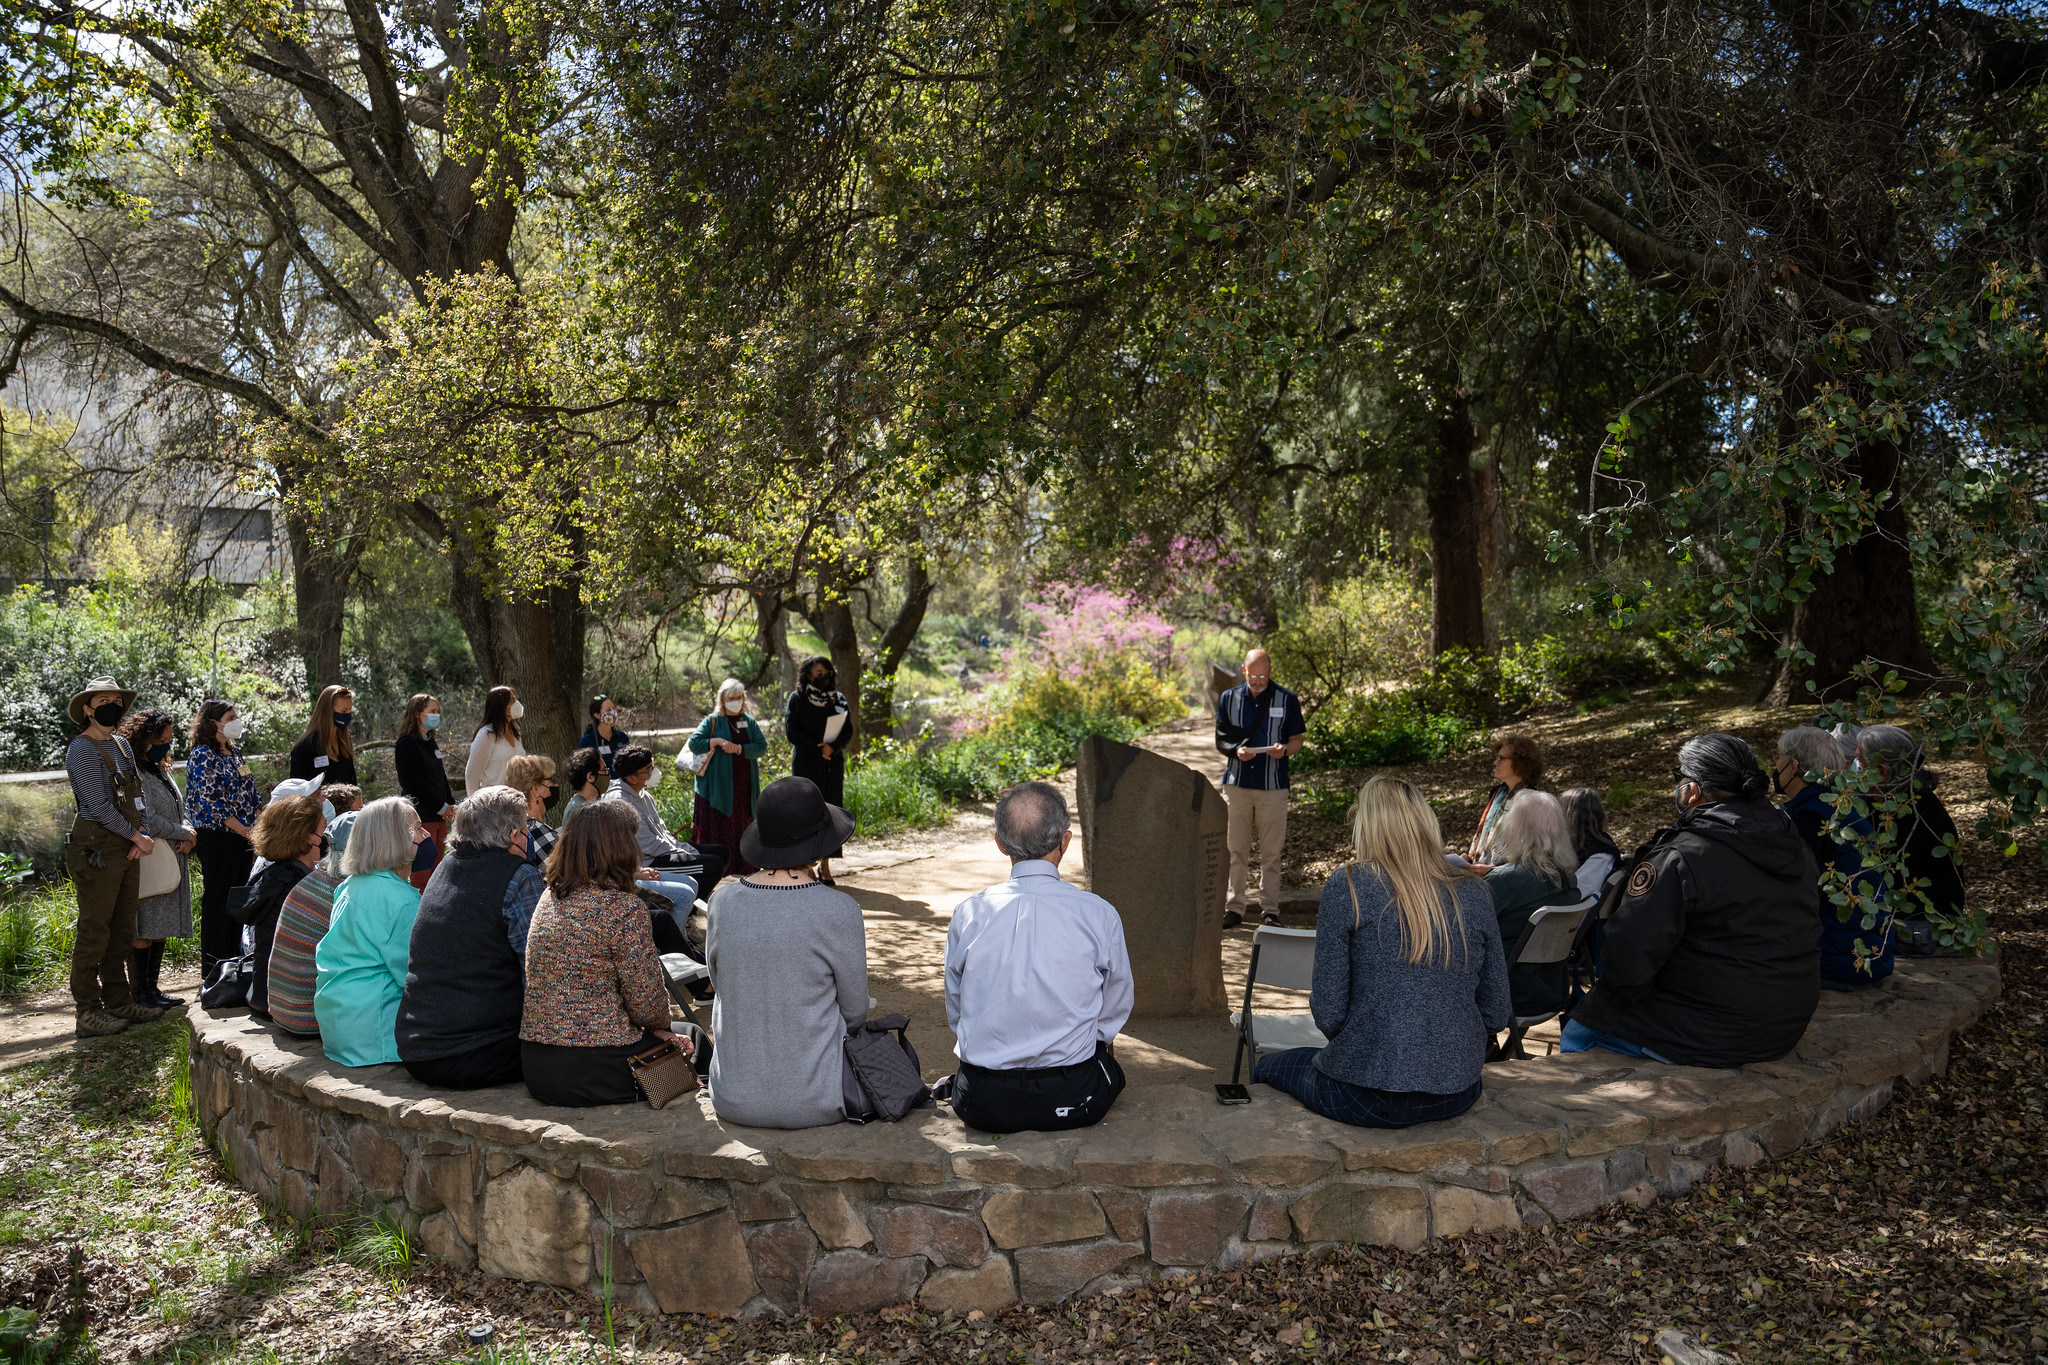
(896, 640)
(1457, 596)
(536, 647)
(771, 638)
(1866, 608)
(319, 598)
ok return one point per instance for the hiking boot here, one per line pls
(99, 1024)
(135, 1012)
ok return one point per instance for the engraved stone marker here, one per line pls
(1152, 836)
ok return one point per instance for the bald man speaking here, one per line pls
(1258, 728)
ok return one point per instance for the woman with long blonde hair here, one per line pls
(1410, 980)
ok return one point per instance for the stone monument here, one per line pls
(1216, 681)
(1152, 834)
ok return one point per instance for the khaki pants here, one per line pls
(106, 922)
(1265, 811)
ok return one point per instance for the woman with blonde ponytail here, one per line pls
(1410, 979)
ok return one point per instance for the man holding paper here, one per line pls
(1258, 728)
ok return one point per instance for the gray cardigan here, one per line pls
(1393, 1026)
(790, 964)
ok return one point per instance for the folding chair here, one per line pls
(1552, 934)
(682, 972)
(1285, 958)
(1582, 964)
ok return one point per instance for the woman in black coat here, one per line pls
(423, 778)
(325, 751)
(819, 724)
(291, 834)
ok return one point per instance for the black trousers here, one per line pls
(495, 1063)
(225, 858)
(584, 1077)
(1042, 1099)
(707, 867)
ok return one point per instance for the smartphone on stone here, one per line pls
(1233, 1094)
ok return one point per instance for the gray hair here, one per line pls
(1030, 819)
(1533, 836)
(728, 686)
(1890, 750)
(381, 840)
(1814, 749)
(490, 818)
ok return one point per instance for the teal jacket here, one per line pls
(361, 966)
(714, 784)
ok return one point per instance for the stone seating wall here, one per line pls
(678, 1212)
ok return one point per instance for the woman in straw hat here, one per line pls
(104, 853)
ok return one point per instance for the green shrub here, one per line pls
(1383, 729)
(37, 923)
(33, 819)
(1353, 634)
(887, 791)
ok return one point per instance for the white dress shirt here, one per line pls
(1036, 972)
(1593, 873)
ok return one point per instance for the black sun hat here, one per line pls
(793, 825)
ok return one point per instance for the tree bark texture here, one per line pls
(896, 641)
(535, 646)
(320, 598)
(1457, 596)
(1866, 608)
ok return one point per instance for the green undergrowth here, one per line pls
(38, 920)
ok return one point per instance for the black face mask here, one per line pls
(823, 686)
(342, 718)
(554, 795)
(109, 713)
(325, 845)
(155, 755)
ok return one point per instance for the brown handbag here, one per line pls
(663, 1073)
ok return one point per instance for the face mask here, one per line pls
(342, 718)
(325, 845)
(654, 781)
(600, 784)
(733, 708)
(232, 730)
(431, 720)
(610, 718)
(1678, 798)
(554, 795)
(155, 754)
(327, 809)
(515, 710)
(109, 713)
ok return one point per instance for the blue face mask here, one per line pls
(327, 809)
(432, 720)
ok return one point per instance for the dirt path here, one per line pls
(37, 1026)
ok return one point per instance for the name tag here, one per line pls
(139, 804)
(1279, 709)
(242, 767)
(321, 761)
(605, 749)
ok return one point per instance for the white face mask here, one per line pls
(515, 710)
(735, 706)
(654, 781)
(232, 730)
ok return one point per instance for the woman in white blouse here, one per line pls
(496, 742)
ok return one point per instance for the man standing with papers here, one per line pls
(1258, 728)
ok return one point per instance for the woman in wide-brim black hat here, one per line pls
(789, 958)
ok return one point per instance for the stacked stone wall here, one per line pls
(678, 1212)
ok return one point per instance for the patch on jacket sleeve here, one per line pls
(1645, 878)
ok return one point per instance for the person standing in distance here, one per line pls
(496, 741)
(104, 853)
(820, 726)
(325, 751)
(221, 797)
(605, 736)
(1258, 728)
(423, 777)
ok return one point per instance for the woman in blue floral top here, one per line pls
(221, 803)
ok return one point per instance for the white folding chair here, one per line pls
(1552, 933)
(683, 972)
(1284, 958)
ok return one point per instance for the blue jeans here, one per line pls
(1295, 1072)
(679, 887)
(1576, 1037)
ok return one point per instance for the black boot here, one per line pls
(156, 972)
(138, 977)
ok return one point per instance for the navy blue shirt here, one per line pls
(608, 750)
(1242, 720)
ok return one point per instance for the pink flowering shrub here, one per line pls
(1095, 653)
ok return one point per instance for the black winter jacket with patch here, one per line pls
(1711, 957)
